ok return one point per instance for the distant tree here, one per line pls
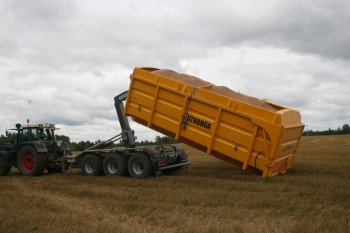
(164, 140)
(82, 145)
(62, 138)
(145, 143)
(345, 129)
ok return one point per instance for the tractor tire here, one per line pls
(30, 162)
(4, 168)
(92, 165)
(139, 166)
(115, 165)
(53, 168)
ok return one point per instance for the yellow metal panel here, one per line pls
(207, 111)
(161, 120)
(172, 84)
(141, 100)
(168, 109)
(242, 122)
(229, 132)
(211, 97)
(291, 133)
(287, 148)
(141, 113)
(202, 138)
(227, 148)
(171, 97)
(144, 87)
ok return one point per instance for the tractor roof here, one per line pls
(46, 126)
(43, 126)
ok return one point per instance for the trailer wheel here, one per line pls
(115, 165)
(30, 162)
(4, 168)
(91, 165)
(139, 166)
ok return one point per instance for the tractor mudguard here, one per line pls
(40, 147)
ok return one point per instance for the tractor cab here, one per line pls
(39, 132)
(45, 133)
(34, 134)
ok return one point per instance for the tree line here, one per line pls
(345, 129)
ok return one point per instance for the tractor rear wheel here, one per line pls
(4, 168)
(115, 165)
(30, 162)
(91, 165)
(139, 166)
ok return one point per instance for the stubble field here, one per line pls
(211, 196)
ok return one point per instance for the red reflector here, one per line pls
(161, 162)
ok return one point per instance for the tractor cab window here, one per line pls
(49, 134)
(34, 134)
(25, 135)
(30, 134)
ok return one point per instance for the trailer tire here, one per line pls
(91, 165)
(115, 165)
(30, 162)
(139, 166)
(4, 168)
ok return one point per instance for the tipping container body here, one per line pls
(227, 128)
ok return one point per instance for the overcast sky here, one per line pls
(63, 61)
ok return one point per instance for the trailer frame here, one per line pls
(133, 160)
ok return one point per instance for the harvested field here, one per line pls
(211, 196)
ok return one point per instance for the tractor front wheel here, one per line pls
(30, 162)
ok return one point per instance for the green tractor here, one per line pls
(32, 149)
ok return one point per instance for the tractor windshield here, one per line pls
(37, 133)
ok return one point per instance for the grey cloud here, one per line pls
(58, 33)
(304, 26)
(69, 58)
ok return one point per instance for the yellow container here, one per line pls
(229, 129)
